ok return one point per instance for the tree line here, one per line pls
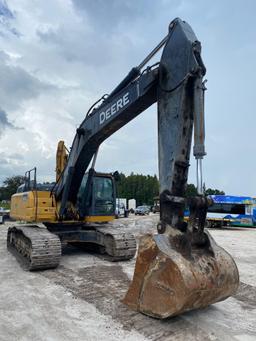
(10, 186)
(191, 191)
(143, 188)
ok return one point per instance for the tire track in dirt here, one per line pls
(105, 286)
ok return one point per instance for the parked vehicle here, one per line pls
(156, 206)
(121, 211)
(131, 205)
(4, 215)
(142, 210)
(230, 210)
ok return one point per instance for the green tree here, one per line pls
(141, 187)
(191, 190)
(144, 188)
(211, 191)
(10, 186)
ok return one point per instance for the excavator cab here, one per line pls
(96, 196)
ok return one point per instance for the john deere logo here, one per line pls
(114, 108)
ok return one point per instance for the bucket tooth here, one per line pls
(170, 279)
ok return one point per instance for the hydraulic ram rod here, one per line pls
(199, 131)
(135, 71)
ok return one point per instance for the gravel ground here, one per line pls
(80, 300)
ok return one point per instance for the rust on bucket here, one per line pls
(173, 276)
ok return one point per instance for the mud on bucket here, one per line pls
(170, 279)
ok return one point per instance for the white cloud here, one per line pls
(58, 57)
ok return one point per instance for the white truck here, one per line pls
(131, 205)
(121, 208)
(3, 214)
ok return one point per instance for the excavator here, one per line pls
(179, 268)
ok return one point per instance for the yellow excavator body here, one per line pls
(33, 206)
(40, 206)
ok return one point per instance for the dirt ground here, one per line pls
(80, 300)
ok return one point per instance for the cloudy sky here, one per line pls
(58, 56)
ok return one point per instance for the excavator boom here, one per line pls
(101, 123)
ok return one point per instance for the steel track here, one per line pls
(35, 247)
(119, 245)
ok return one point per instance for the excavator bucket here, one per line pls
(172, 276)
